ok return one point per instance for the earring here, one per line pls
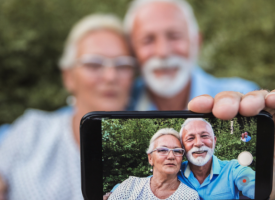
(151, 170)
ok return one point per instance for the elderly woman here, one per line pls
(39, 156)
(165, 156)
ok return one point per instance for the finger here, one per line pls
(201, 104)
(270, 100)
(252, 103)
(226, 105)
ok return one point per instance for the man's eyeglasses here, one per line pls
(164, 151)
(96, 64)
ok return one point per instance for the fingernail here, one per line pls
(271, 93)
(224, 101)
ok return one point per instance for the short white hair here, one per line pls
(80, 29)
(183, 6)
(187, 121)
(159, 133)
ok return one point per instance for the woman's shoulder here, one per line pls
(187, 192)
(131, 187)
(134, 181)
(35, 127)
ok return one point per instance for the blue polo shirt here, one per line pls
(201, 83)
(224, 181)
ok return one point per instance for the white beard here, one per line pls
(200, 161)
(167, 86)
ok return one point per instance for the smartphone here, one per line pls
(239, 159)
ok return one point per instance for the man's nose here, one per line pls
(162, 47)
(198, 142)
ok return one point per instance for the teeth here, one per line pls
(199, 151)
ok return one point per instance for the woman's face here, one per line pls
(104, 89)
(168, 164)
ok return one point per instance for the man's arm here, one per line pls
(226, 105)
(240, 173)
(3, 189)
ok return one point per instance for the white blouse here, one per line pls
(135, 188)
(39, 158)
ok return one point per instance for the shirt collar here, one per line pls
(215, 168)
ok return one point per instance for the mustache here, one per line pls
(165, 63)
(196, 149)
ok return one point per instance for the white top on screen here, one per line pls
(135, 188)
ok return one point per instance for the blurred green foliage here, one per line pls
(238, 40)
(125, 141)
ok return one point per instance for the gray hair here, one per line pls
(80, 29)
(187, 121)
(183, 6)
(159, 133)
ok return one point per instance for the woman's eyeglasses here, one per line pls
(164, 151)
(96, 64)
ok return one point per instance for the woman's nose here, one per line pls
(110, 74)
(170, 155)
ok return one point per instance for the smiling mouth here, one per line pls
(200, 152)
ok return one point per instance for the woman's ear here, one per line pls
(150, 159)
(68, 80)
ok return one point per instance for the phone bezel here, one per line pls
(91, 141)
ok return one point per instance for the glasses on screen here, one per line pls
(164, 151)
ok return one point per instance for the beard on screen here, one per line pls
(167, 86)
(200, 161)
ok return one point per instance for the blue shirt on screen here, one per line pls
(225, 180)
(248, 138)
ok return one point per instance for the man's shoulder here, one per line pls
(214, 85)
(228, 163)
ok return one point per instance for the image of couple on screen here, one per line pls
(201, 176)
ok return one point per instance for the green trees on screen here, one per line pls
(125, 142)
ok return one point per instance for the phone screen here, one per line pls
(227, 149)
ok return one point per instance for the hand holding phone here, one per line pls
(133, 130)
(227, 104)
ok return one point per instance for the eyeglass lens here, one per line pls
(165, 151)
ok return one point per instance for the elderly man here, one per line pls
(204, 172)
(165, 38)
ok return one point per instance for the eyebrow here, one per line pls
(188, 134)
(168, 147)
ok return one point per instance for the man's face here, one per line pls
(162, 44)
(199, 142)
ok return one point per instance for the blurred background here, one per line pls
(238, 40)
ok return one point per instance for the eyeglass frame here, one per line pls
(169, 151)
(107, 62)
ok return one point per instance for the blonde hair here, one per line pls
(81, 28)
(159, 133)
